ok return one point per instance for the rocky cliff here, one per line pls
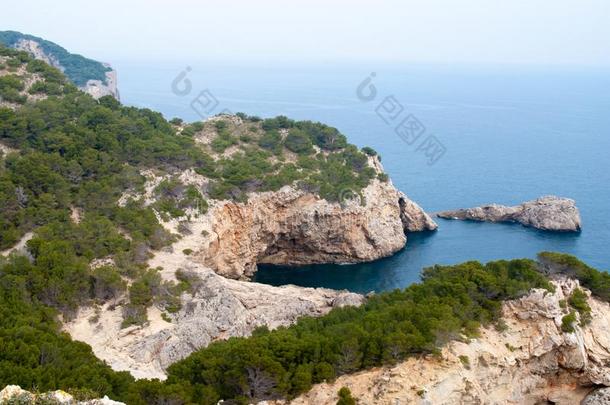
(548, 213)
(98, 88)
(79, 70)
(293, 227)
(532, 361)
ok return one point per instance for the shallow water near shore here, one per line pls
(511, 135)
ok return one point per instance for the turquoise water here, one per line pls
(510, 135)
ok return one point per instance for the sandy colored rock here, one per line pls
(218, 308)
(531, 362)
(548, 213)
(292, 227)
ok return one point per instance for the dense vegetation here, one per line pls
(264, 155)
(596, 281)
(77, 68)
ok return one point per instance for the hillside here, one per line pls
(96, 78)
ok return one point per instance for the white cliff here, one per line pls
(97, 88)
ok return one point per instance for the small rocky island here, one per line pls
(549, 213)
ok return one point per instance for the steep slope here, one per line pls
(95, 78)
(532, 360)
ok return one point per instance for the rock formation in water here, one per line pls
(549, 213)
(13, 394)
(532, 361)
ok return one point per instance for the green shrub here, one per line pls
(271, 140)
(76, 67)
(567, 322)
(465, 361)
(345, 397)
(107, 283)
(578, 301)
(369, 151)
(299, 142)
(596, 281)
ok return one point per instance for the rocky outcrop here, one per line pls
(531, 361)
(293, 227)
(14, 394)
(96, 88)
(217, 308)
(413, 217)
(548, 213)
(35, 50)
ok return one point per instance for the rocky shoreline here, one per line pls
(549, 213)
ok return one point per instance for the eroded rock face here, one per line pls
(531, 362)
(97, 89)
(413, 217)
(218, 308)
(33, 48)
(293, 227)
(548, 213)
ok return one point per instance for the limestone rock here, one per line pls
(548, 213)
(532, 361)
(218, 308)
(348, 299)
(97, 89)
(413, 217)
(293, 227)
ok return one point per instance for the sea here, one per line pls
(449, 137)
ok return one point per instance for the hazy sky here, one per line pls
(445, 31)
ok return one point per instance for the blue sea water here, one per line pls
(510, 135)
